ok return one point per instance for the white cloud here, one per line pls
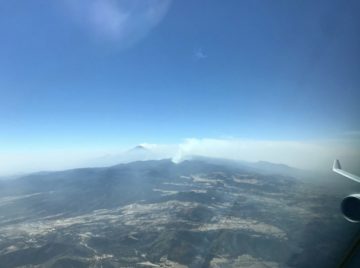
(125, 21)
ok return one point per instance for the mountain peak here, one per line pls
(139, 148)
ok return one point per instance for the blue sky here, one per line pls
(107, 73)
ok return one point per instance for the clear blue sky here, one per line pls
(94, 73)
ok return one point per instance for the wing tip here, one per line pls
(337, 169)
(337, 164)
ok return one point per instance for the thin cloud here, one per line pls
(199, 54)
(124, 21)
(108, 18)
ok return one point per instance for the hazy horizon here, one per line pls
(308, 155)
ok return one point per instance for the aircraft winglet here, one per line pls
(337, 168)
(336, 165)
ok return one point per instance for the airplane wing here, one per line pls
(337, 169)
